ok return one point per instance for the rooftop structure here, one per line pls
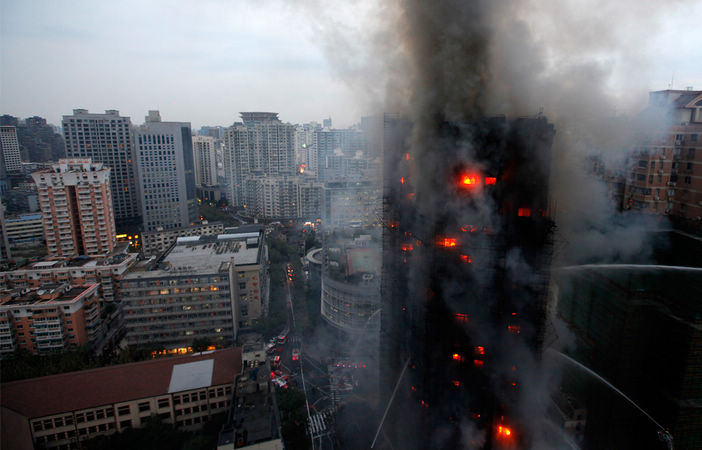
(58, 410)
(253, 419)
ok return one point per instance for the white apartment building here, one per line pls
(205, 159)
(10, 148)
(165, 172)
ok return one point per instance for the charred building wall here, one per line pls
(467, 243)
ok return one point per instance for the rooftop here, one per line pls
(207, 254)
(47, 295)
(39, 397)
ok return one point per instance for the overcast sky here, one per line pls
(205, 61)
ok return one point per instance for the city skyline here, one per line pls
(205, 63)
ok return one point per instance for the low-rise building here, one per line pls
(105, 270)
(50, 318)
(155, 242)
(60, 411)
(24, 230)
(204, 287)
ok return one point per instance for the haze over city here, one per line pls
(204, 62)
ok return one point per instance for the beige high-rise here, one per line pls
(76, 206)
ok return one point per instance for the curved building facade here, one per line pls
(350, 293)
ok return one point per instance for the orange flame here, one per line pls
(466, 259)
(524, 212)
(448, 242)
(490, 180)
(469, 180)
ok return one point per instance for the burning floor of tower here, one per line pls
(467, 249)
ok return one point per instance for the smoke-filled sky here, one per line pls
(205, 61)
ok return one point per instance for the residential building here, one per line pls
(354, 204)
(156, 242)
(53, 317)
(665, 170)
(106, 271)
(165, 170)
(76, 207)
(282, 197)
(467, 243)
(24, 230)
(204, 287)
(107, 139)
(61, 411)
(261, 145)
(10, 148)
(205, 159)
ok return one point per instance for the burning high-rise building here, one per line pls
(467, 245)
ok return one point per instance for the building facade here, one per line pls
(107, 139)
(61, 411)
(166, 175)
(105, 271)
(205, 158)
(156, 242)
(205, 287)
(665, 171)
(50, 318)
(9, 144)
(24, 230)
(261, 145)
(76, 207)
(351, 204)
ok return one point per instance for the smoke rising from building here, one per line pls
(445, 67)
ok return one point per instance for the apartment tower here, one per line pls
(166, 175)
(76, 205)
(10, 148)
(107, 139)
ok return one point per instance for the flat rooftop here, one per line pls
(207, 254)
(47, 295)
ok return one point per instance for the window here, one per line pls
(144, 407)
(89, 416)
(688, 179)
(163, 403)
(203, 395)
(37, 426)
(48, 424)
(80, 418)
(125, 424)
(123, 410)
(69, 420)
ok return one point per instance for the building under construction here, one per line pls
(467, 244)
